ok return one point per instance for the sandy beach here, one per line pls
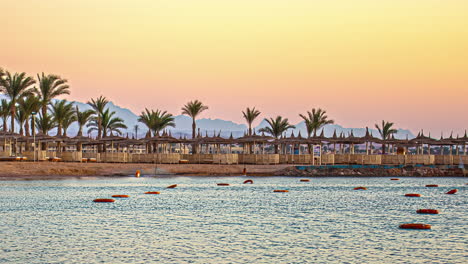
(49, 170)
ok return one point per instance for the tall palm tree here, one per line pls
(386, 130)
(45, 123)
(250, 115)
(5, 113)
(27, 106)
(50, 87)
(99, 107)
(62, 112)
(148, 119)
(193, 109)
(276, 127)
(82, 118)
(15, 86)
(315, 119)
(109, 124)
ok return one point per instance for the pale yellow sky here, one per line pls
(363, 60)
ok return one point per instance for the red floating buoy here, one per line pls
(432, 185)
(120, 196)
(223, 184)
(412, 195)
(454, 191)
(360, 188)
(248, 181)
(152, 192)
(103, 200)
(427, 211)
(281, 191)
(171, 186)
(394, 179)
(415, 226)
(304, 180)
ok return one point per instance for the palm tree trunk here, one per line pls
(26, 128)
(194, 128)
(383, 148)
(13, 111)
(5, 124)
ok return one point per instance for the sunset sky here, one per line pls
(362, 60)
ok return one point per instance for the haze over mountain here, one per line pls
(214, 126)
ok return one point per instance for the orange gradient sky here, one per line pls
(362, 60)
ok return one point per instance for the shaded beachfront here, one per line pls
(31, 109)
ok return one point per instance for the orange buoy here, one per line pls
(427, 211)
(415, 226)
(248, 181)
(394, 179)
(412, 195)
(304, 180)
(454, 191)
(120, 196)
(223, 184)
(152, 192)
(103, 200)
(360, 188)
(171, 186)
(282, 191)
(138, 173)
(432, 185)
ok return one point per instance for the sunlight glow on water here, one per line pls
(321, 221)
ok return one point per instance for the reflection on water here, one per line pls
(320, 221)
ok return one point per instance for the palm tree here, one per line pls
(20, 117)
(50, 86)
(45, 123)
(250, 115)
(148, 119)
(5, 113)
(276, 127)
(62, 112)
(193, 109)
(315, 119)
(109, 123)
(99, 106)
(15, 86)
(27, 106)
(82, 118)
(385, 131)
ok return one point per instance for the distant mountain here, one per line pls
(214, 126)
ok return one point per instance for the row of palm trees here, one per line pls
(25, 99)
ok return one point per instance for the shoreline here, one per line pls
(63, 170)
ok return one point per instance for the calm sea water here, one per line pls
(321, 221)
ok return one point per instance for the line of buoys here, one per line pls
(394, 179)
(427, 211)
(304, 180)
(432, 185)
(360, 188)
(281, 191)
(248, 181)
(412, 195)
(138, 173)
(102, 200)
(454, 191)
(223, 184)
(152, 192)
(120, 196)
(171, 186)
(415, 226)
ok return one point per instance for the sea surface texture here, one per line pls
(321, 221)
